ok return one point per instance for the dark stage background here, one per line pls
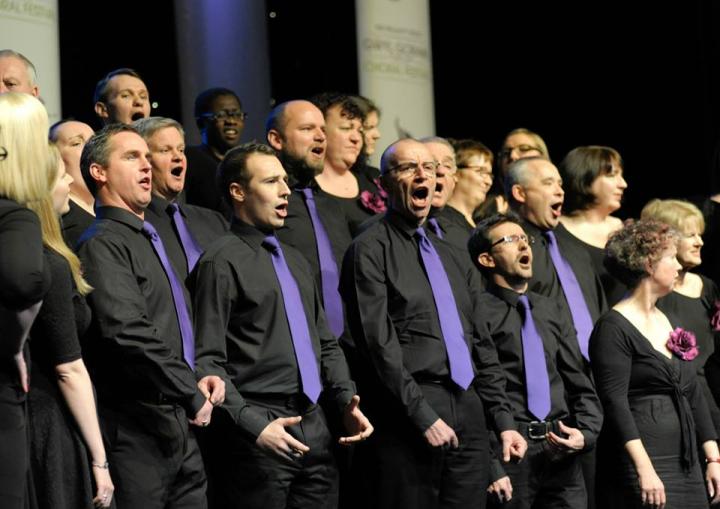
(645, 81)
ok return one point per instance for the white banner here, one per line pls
(395, 66)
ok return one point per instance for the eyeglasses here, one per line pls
(523, 149)
(405, 169)
(225, 114)
(3, 153)
(512, 239)
(481, 170)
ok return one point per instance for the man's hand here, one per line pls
(502, 488)
(355, 422)
(202, 418)
(513, 445)
(575, 442)
(275, 440)
(440, 434)
(213, 388)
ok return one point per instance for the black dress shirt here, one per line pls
(74, 224)
(545, 280)
(298, 230)
(456, 229)
(201, 187)
(134, 347)
(205, 225)
(571, 391)
(394, 322)
(241, 328)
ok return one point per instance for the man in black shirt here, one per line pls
(571, 417)
(185, 230)
(256, 305)
(221, 120)
(430, 448)
(121, 96)
(138, 345)
(296, 129)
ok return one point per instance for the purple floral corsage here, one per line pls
(683, 344)
(715, 320)
(375, 202)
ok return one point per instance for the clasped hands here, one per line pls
(213, 388)
(274, 440)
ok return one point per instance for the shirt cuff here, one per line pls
(504, 421)
(194, 404)
(252, 422)
(424, 416)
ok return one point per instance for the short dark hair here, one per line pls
(204, 101)
(479, 241)
(101, 89)
(97, 151)
(636, 244)
(366, 105)
(233, 168)
(579, 169)
(348, 107)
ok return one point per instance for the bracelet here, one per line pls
(106, 465)
(712, 460)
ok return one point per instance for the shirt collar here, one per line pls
(248, 233)
(401, 224)
(119, 215)
(511, 297)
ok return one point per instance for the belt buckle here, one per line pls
(537, 430)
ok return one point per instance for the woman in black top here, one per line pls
(594, 185)
(61, 405)
(693, 299)
(24, 278)
(655, 411)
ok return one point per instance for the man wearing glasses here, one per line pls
(554, 403)
(221, 120)
(428, 366)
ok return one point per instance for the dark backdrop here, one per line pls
(643, 81)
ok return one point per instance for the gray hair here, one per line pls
(147, 127)
(32, 73)
(517, 174)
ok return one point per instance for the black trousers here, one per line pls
(154, 458)
(13, 446)
(541, 481)
(241, 475)
(397, 468)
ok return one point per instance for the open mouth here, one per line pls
(524, 259)
(177, 171)
(137, 116)
(145, 183)
(421, 193)
(556, 209)
(439, 188)
(231, 132)
(318, 151)
(281, 210)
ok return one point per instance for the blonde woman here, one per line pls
(23, 275)
(693, 299)
(61, 398)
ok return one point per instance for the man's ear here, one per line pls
(98, 173)
(101, 110)
(518, 193)
(274, 139)
(486, 260)
(237, 192)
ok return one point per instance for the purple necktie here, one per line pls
(573, 295)
(536, 375)
(297, 320)
(191, 248)
(461, 370)
(181, 310)
(435, 227)
(329, 278)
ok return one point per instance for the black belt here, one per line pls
(536, 430)
(297, 401)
